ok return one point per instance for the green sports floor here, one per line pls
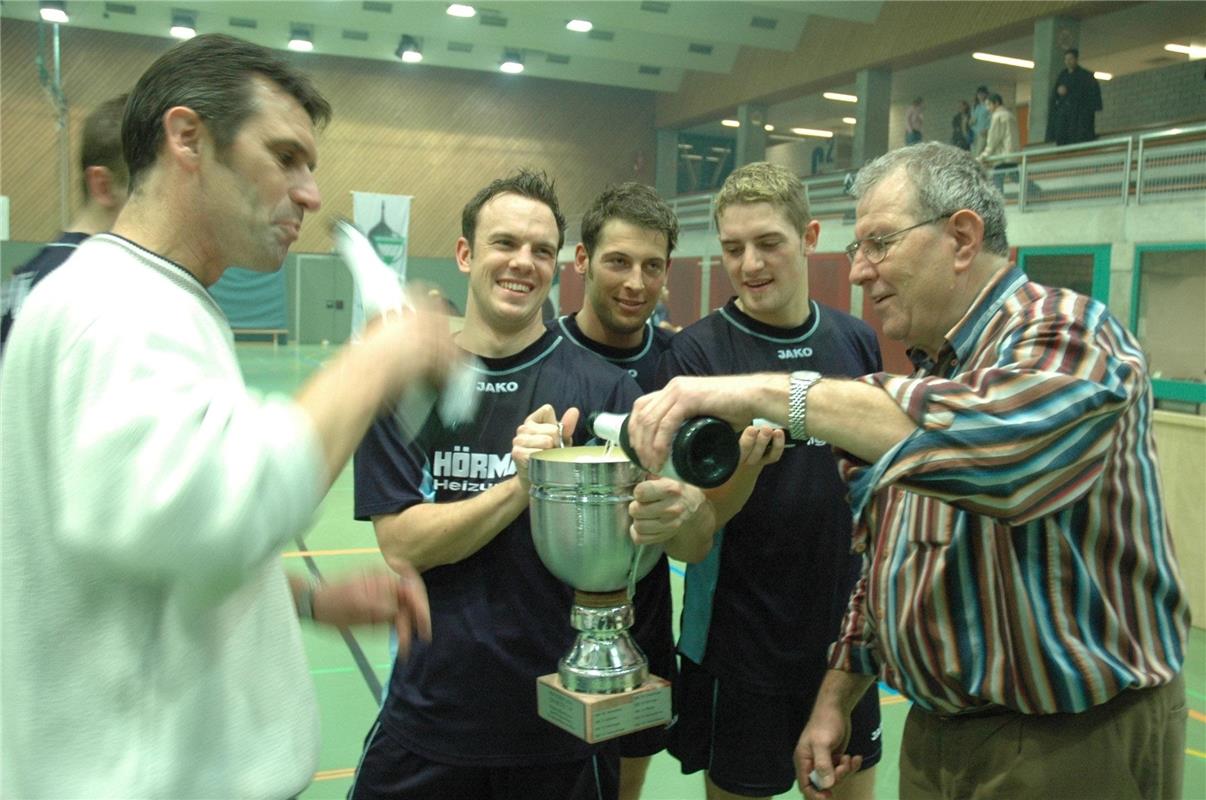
(337, 544)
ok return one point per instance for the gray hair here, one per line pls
(946, 179)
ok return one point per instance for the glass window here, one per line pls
(1064, 271)
(1170, 317)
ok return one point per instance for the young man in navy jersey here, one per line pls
(765, 593)
(460, 717)
(628, 234)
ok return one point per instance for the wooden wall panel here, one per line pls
(437, 134)
(829, 280)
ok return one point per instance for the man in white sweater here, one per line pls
(150, 637)
(1002, 139)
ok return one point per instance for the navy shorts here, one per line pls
(387, 771)
(746, 739)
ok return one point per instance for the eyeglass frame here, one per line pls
(852, 249)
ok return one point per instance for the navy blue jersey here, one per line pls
(766, 603)
(500, 619)
(640, 361)
(31, 273)
(653, 608)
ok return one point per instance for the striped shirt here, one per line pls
(1018, 549)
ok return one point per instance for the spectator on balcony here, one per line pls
(914, 120)
(981, 119)
(1075, 100)
(961, 127)
(1002, 139)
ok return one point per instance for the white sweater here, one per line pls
(150, 647)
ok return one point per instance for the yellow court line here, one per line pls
(351, 551)
(1195, 753)
(1198, 715)
(334, 774)
(893, 700)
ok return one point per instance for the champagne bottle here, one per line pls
(704, 452)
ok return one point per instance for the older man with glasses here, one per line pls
(1020, 587)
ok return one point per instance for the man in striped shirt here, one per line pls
(1020, 586)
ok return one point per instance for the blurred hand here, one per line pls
(541, 431)
(662, 508)
(822, 748)
(413, 345)
(375, 598)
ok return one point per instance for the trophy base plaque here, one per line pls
(599, 717)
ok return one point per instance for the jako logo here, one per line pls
(796, 352)
(501, 387)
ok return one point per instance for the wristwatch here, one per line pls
(797, 402)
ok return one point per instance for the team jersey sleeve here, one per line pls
(390, 474)
(685, 356)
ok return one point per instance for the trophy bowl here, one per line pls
(580, 521)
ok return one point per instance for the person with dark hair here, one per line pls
(1020, 586)
(104, 180)
(1074, 102)
(151, 640)
(460, 717)
(1002, 140)
(628, 234)
(767, 574)
(961, 131)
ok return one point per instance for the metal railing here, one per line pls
(1161, 165)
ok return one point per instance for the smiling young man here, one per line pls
(460, 717)
(151, 644)
(628, 234)
(765, 595)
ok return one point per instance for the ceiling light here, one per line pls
(53, 10)
(730, 123)
(579, 25)
(461, 10)
(184, 25)
(841, 98)
(512, 62)
(812, 132)
(1194, 51)
(1103, 76)
(409, 50)
(300, 39)
(849, 120)
(768, 127)
(995, 59)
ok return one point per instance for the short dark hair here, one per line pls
(634, 203)
(982, 90)
(530, 183)
(1074, 52)
(101, 146)
(996, 99)
(211, 74)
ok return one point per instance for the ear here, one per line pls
(968, 230)
(103, 188)
(812, 231)
(581, 259)
(464, 253)
(186, 135)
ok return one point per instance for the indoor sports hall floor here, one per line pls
(337, 544)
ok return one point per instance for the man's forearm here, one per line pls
(843, 690)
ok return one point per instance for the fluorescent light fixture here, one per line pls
(579, 25)
(53, 11)
(841, 98)
(1173, 131)
(768, 128)
(812, 132)
(184, 25)
(461, 10)
(730, 123)
(409, 50)
(300, 39)
(849, 120)
(1104, 76)
(995, 59)
(512, 62)
(1192, 50)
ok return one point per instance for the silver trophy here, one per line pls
(580, 522)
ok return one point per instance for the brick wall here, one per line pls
(1175, 93)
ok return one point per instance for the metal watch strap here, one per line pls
(305, 602)
(797, 402)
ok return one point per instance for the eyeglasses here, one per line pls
(875, 248)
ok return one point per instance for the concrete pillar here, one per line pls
(1052, 36)
(874, 90)
(751, 136)
(665, 165)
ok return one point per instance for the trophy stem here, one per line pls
(605, 659)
